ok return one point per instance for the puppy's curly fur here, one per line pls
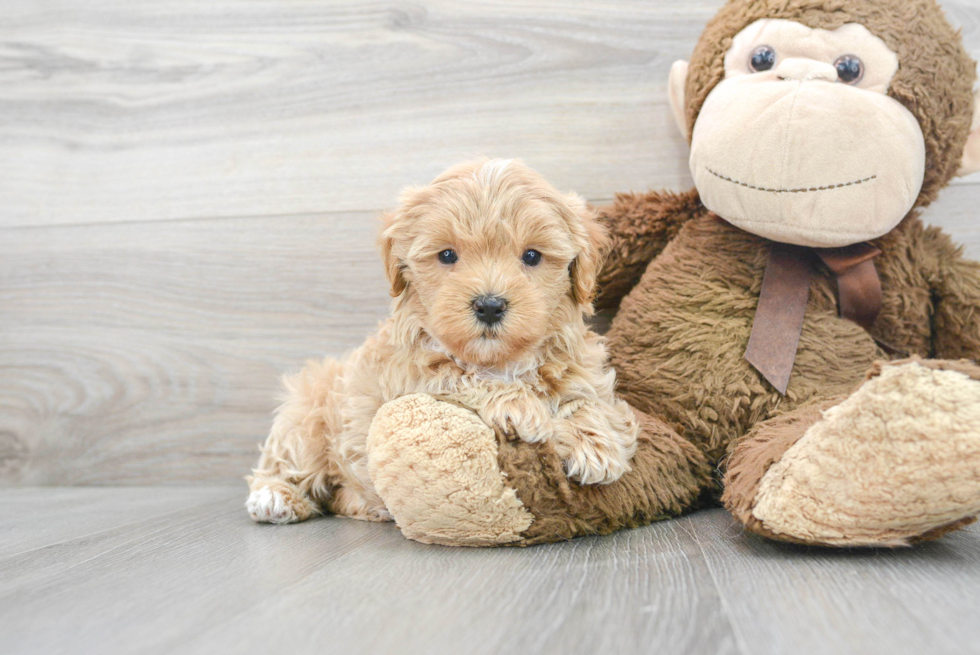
(536, 371)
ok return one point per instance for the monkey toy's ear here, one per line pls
(678, 81)
(971, 154)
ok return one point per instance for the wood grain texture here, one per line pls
(633, 592)
(35, 519)
(790, 599)
(142, 345)
(149, 353)
(956, 213)
(116, 111)
(188, 201)
(200, 577)
(204, 578)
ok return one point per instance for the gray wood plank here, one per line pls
(203, 578)
(638, 591)
(142, 351)
(137, 408)
(956, 212)
(207, 579)
(138, 588)
(35, 518)
(150, 353)
(154, 109)
(230, 279)
(788, 599)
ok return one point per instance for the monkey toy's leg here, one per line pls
(448, 478)
(895, 462)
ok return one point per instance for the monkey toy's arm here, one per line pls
(956, 291)
(640, 226)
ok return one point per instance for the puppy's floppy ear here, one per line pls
(393, 265)
(591, 240)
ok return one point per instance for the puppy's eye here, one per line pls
(763, 59)
(850, 69)
(448, 257)
(531, 258)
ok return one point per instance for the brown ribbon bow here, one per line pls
(785, 290)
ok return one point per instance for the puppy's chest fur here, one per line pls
(522, 399)
(517, 399)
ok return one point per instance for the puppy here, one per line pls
(492, 273)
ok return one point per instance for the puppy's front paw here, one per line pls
(268, 506)
(593, 463)
(521, 415)
(381, 516)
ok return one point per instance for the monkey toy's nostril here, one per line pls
(489, 309)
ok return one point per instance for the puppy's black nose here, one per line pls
(489, 309)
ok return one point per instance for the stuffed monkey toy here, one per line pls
(795, 341)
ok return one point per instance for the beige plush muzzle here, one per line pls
(794, 154)
(795, 172)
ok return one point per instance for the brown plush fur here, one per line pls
(690, 317)
(679, 338)
(691, 284)
(538, 373)
(667, 478)
(644, 225)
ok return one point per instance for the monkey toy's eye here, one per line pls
(763, 59)
(850, 69)
(448, 256)
(531, 258)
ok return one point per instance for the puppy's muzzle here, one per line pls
(489, 310)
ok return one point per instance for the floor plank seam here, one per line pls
(740, 642)
(324, 213)
(181, 643)
(144, 519)
(547, 632)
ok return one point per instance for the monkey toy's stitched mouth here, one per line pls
(801, 190)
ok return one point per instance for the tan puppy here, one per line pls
(492, 272)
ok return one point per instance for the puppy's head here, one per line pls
(492, 259)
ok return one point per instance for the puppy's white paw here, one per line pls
(267, 506)
(590, 463)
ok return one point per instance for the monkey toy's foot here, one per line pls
(897, 461)
(435, 466)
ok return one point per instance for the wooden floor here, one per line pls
(190, 192)
(164, 570)
(189, 195)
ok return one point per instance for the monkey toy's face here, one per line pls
(799, 142)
